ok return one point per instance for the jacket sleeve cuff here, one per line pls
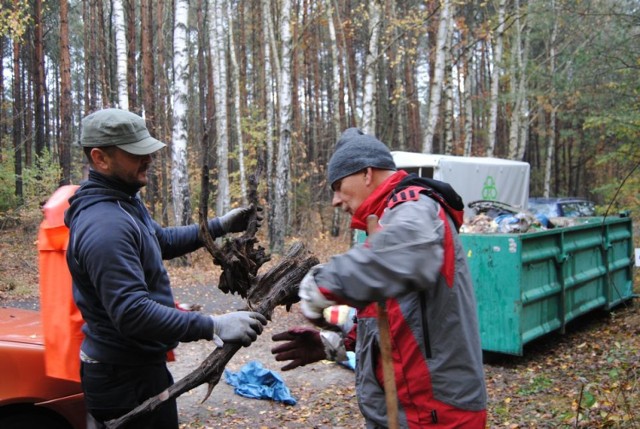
(312, 300)
(215, 227)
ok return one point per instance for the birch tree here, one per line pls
(121, 54)
(179, 171)
(335, 98)
(369, 90)
(518, 130)
(448, 94)
(235, 80)
(551, 142)
(435, 93)
(4, 125)
(348, 68)
(280, 213)
(335, 69)
(495, 79)
(399, 95)
(220, 96)
(267, 31)
(467, 100)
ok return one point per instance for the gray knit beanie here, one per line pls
(356, 151)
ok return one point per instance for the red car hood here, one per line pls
(20, 326)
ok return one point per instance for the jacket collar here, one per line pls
(377, 201)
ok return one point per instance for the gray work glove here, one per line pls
(241, 327)
(237, 220)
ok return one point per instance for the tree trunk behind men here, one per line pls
(17, 122)
(218, 54)
(179, 171)
(38, 80)
(121, 54)
(66, 116)
(280, 222)
(368, 97)
(495, 79)
(435, 93)
(237, 105)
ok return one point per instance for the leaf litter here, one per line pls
(588, 377)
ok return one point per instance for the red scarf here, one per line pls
(377, 201)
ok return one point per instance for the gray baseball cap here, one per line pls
(117, 127)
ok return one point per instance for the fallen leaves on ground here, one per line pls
(588, 377)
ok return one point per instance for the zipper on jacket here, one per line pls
(425, 325)
(434, 416)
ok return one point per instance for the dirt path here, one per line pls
(324, 391)
(595, 365)
(599, 356)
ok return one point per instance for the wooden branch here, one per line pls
(240, 260)
(239, 257)
(280, 286)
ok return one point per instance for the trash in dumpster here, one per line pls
(481, 223)
(492, 208)
(515, 223)
(496, 217)
(255, 381)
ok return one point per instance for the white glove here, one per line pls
(238, 327)
(312, 301)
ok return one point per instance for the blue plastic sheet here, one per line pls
(254, 381)
(350, 362)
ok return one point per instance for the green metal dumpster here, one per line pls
(528, 285)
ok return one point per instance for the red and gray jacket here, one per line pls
(416, 264)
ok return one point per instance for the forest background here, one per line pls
(233, 84)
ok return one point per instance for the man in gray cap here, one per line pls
(120, 284)
(412, 262)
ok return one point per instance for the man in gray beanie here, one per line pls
(415, 264)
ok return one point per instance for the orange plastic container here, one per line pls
(61, 318)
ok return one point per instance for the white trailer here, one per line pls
(474, 178)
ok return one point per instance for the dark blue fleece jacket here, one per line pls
(120, 283)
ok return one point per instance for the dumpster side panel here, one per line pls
(541, 285)
(619, 246)
(528, 285)
(494, 262)
(584, 269)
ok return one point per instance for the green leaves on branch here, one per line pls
(39, 181)
(15, 18)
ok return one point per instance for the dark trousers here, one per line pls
(111, 391)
